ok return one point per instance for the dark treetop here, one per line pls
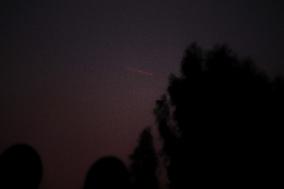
(221, 122)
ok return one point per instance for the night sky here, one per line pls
(79, 78)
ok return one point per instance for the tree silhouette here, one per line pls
(144, 162)
(221, 122)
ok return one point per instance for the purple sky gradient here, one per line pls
(72, 82)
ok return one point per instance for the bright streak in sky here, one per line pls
(139, 71)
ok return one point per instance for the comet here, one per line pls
(139, 71)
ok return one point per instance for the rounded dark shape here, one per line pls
(107, 173)
(20, 167)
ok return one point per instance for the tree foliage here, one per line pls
(221, 122)
(144, 162)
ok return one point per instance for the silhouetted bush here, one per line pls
(20, 167)
(107, 173)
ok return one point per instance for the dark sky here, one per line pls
(79, 78)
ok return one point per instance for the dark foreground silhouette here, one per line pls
(107, 173)
(221, 123)
(20, 167)
(144, 162)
